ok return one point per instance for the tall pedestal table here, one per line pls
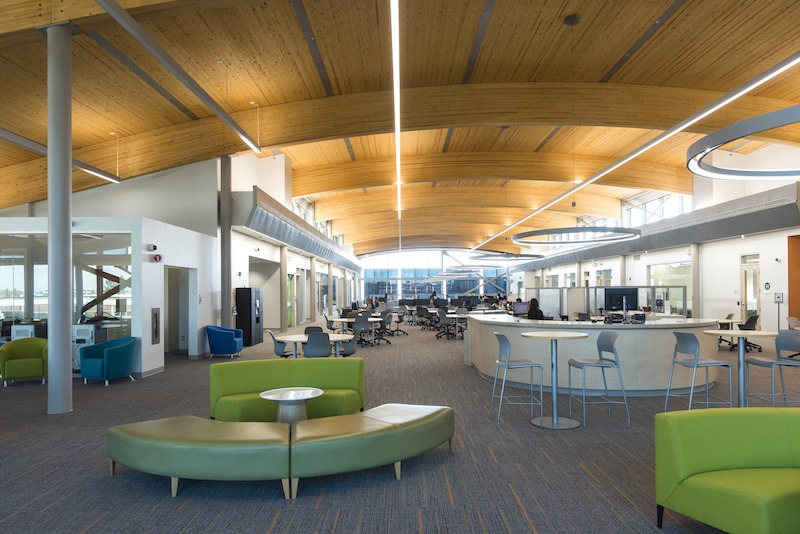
(555, 422)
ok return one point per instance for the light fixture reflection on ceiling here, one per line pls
(608, 234)
(705, 146)
(493, 255)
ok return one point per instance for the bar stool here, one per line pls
(606, 344)
(505, 363)
(787, 340)
(686, 343)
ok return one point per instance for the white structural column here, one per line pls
(284, 296)
(330, 289)
(313, 294)
(225, 217)
(59, 219)
(696, 303)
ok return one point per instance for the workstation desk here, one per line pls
(645, 350)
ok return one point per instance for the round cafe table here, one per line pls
(303, 338)
(291, 402)
(741, 334)
(554, 422)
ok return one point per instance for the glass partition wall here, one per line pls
(101, 283)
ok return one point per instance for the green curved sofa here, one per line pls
(235, 386)
(737, 469)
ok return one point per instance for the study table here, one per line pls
(554, 422)
(303, 338)
(352, 320)
(741, 334)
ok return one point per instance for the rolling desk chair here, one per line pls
(749, 325)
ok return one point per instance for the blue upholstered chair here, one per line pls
(24, 359)
(108, 360)
(223, 340)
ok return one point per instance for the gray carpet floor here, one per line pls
(520, 478)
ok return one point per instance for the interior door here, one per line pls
(751, 296)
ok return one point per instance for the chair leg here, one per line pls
(783, 385)
(747, 385)
(531, 369)
(624, 396)
(605, 387)
(569, 388)
(583, 399)
(502, 394)
(691, 387)
(669, 385)
(708, 387)
(730, 386)
(494, 388)
(659, 515)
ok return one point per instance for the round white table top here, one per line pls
(303, 338)
(291, 394)
(555, 334)
(353, 319)
(741, 333)
(730, 321)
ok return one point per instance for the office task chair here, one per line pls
(686, 343)
(348, 348)
(362, 329)
(749, 325)
(447, 325)
(787, 341)
(584, 316)
(401, 314)
(725, 326)
(279, 346)
(313, 330)
(505, 363)
(329, 324)
(318, 345)
(606, 344)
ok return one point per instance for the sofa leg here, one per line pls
(174, 485)
(397, 470)
(452, 444)
(106, 382)
(132, 379)
(111, 466)
(85, 381)
(659, 515)
(286, 488)
(295, 482)
(44, 381)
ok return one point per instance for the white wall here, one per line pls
(161, 196)
(271, 174)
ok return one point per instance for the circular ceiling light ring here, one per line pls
(472, 268)
(613, 234)
(705, 146)
(493, 255)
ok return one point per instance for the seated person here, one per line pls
(534, 312)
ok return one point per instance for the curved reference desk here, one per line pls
(645, 350)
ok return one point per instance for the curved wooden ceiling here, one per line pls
(504, 107)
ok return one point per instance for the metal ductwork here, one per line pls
(771, 210)
(260, 213)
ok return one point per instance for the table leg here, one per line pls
(294, 350)
(291, 412)
(740, 372)
(335, 349)
(554, 422)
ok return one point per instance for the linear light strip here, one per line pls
(138, 32)
(38, 148)
(743, 89)
(394, 8)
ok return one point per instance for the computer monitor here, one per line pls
(521, 308)
(615, 296)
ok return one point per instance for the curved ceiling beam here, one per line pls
(488, 165)
(422, 196)
(428, 107)
(388, 244)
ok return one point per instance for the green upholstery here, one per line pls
(235, 386)
(383, 435)
(24, 359)
(735, 469)
(202, 449)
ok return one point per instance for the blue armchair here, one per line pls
(108, 360)
(223, 340)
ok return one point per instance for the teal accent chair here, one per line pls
(223, 340)
(24, 359)
(108, 360)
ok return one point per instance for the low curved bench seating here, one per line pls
(379, 436)
(235, 387)
(202, 449)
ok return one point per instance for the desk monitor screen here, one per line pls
(520, 308)
(614, 298)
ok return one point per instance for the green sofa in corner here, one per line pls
(235, 386)
(737, 469)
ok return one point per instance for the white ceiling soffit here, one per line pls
(775, 209)
(264, 215)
